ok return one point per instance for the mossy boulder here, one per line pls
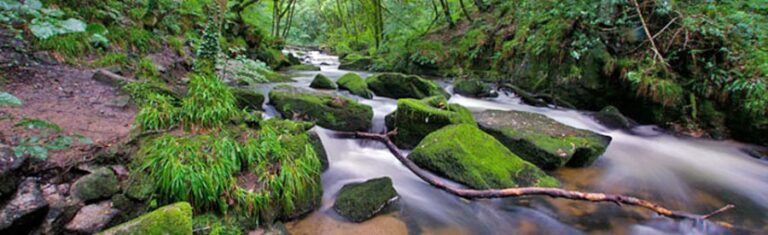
(102, 183)
(304, 67)
(356, 62)
(466, 154)
(322, 82)
(473, 88)
(248, 99)
(171, 219)
(397, 86)
(612, 118)
(415, 119)
(361, 201)
(543, 141)
(300, 128)
(328, 110)
(355, 85)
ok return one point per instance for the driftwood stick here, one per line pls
(525, 191)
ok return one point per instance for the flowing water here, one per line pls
(687, 174)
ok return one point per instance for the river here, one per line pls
(693, 175)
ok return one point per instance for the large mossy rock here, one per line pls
(415, 119)
(355, 85)
(397, 86)
(473, 88)
(322, 82)
(611, 117)
(171, 219)
(466, 154)
(356, 62)
(102, 183)
(328, 110)
(361, 201)
(248, 99)
(543, 141)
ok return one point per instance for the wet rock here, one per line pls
(25, 210)
(612, 118)
(102, 183)
(317, 145)
(355, 85)
(9, 170)
(304, 67)
(328, 110)
(110, 78)
(322, 82)
(396, 86)
(543, 141)
(140, 187)
(92, 218)
(468, 155)
(61, 208)
(415, 119)
(248, 99)
(356, 62)
(473, 88)
(361, 201)
(171, 219)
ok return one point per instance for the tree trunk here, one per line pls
(464, 9)
(447, 13)
(481, 5)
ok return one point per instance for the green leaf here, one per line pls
(38, 124)
(61, 142)
(38, 152)
(83, 140)
(6, 99)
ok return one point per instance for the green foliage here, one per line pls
(133, 39)
(208, 52)
(146, 70)
(209, 102)
(213, 224)
(112, 58)
(6, 99)
(244, 70)
(72, 45)
(159, 112)
(43, 136)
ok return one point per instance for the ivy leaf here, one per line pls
(61, 142)
(38, 152)
(43, 29)
(38, 124)
(6, 99)
(72, 25)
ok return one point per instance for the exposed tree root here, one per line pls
(525, 191)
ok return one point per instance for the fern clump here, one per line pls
(159, 112)
(209, 102)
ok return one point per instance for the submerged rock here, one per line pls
(322, 82)
(304, 67)
(356, 62)
(355, 84)
(25, 210)
(361, 201)
(543, 141)
(92, 218)
(102, 183)
(473, 88)
(468, 155)
(328, 110)
(396, 85)
(171, 219)
(612, 118)
(248, 99)
(415, 119)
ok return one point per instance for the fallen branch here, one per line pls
(525, 191)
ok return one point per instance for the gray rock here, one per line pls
(9, 167)
(102, 183)
(26, 209)
(92, 218)
(361, 201)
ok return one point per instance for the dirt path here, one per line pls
(68, 97)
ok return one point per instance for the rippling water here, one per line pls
(681, 173)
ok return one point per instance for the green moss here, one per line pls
(216, 225)
(361, 201)
(247, 99)
(322, 82)
(102, 183)
(133, 39)
(543, 141)
(415, 119)
(395, 85)
(146, 70)
(473, 88)
(327, 110)
(355, 84)
(304, 67)
(112, 58)
(466, 154)
(356, 62)
(171, 219)
(71, 45)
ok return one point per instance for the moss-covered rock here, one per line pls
(102, 183)
(328, 110)
(355, 85)
(396, 85)
(473, 88)
(543, 141)
(466, 154)
(356, 62)
(248, 99)
(361, 201)
(299, 128)
(304, 67)
(612, 117)
(322, 82)
(415, 119)
(171, 219)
